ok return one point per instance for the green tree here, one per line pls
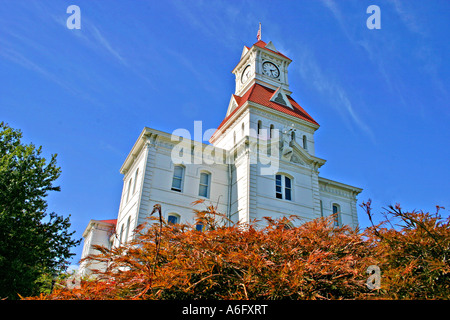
(33, 242)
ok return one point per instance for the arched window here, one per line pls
(199, 226)
(173, 218)
(205, 181)
(129, 188)
(243, 129)
(121, 235)
(259, 127)
(321, 208)
(292, 135)
(336, 214)
(127, 230)
(305, 143)
(234, 146)
(283, 187)
(135, 179)
(177, 180)
(271, 131)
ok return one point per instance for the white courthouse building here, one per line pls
(260, 162)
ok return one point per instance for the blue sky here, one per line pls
(380, 96)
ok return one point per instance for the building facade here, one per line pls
(260, 162)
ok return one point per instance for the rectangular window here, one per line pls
(128, 189)
(321, 208)
(172, 219)
(278, 187)
(204, 185)
(135, 179)
(287, 188)
(283, 187)
(177, 181)
(336, 215)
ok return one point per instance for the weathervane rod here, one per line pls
(258, 36)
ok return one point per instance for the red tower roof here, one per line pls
(262, 44)
(262, 95)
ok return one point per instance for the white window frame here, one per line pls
(127, 229)
(283, 187)
(321, 208)
(207, 185)
(180, 178)
(121, 235)
(128, 189)
(135, 180)
(337, 217)
(176, 216)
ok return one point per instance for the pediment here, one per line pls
(280, 97)
(244, 51)
(232, 105)
(297, 159)
(271, 46)
(294, 153)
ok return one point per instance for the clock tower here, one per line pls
(262, 64)
(262, 115)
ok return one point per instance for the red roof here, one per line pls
(262, 95)
(111, 221)
(262, 44)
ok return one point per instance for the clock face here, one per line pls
(270, 69)
(245, 74)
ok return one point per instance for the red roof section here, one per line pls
(262, 44)
(111, 221)
(262, 95)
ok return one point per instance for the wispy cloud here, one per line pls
(104, 43)
(205, 80)
(214, 21)
(14, 56)
(93, 38)
(340, 18)
(377, 52)
(330, 88)
(408, 17)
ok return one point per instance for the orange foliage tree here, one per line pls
(413, 250)
(270, 259)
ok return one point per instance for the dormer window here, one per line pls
(279, 99)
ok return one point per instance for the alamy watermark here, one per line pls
(374, 280)
(374, 21)
(74, 20)
(263, 147)
(74, 281)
